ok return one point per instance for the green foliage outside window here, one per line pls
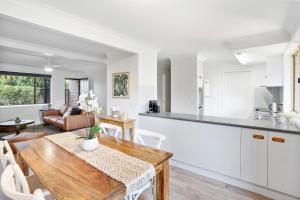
(20, 90)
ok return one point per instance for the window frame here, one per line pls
(33, 75)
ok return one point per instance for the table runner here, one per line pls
(132, 172)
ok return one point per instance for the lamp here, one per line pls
(48, 67)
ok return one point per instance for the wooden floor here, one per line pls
(185, 185)
(189, 186)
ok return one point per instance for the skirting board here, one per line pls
(233, 181)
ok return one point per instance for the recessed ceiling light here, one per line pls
(242, 58)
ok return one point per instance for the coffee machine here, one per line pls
(154, 106)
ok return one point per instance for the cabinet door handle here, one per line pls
(277, 139)
(258, 137)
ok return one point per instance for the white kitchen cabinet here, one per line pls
(274, 71)
(284, 163)
(254, 160)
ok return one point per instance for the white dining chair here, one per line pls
(14, 185)
(7, 146)
(6, 154)
(7, 157)
(141, 134)
(106, 127)
(135, 195)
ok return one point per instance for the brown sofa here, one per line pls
(71, 122)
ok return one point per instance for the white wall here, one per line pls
(184, 84)
(130, 105)
(98, 82)
(164, 84)
(214, 71)
(147, 78)
(57, 92)
(143, 82)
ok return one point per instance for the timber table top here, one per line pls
(118, 119)
(67, 177)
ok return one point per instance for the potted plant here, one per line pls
(18, 120)
(88, 103)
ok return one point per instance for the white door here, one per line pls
(254, 156)
(284, 163)
(237, 94)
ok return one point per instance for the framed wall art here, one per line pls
(120, 85)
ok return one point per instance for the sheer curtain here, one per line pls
(84, 86)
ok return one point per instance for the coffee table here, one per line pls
(17, 126)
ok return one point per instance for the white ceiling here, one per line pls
(187, 26)
(26, 44)
(259, 54)
(35, 59)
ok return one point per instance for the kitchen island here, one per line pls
(268, 125)
(257, 155)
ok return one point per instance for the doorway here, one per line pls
(237, 94)
(74, 88)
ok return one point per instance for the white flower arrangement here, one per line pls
(88, 102)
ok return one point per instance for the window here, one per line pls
(296, 81)
(73, 88)
(22, 88)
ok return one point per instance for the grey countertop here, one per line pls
(245, 123)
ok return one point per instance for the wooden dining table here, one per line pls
(67, 177)
(123, 123)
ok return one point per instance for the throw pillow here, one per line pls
(75, 111)
(67, 113)
(63, 109)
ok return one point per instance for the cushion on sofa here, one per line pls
(57, 118)
(67, 113)
(75, 111)
(53, 119)
(60, 123)
(63, 109)
(48, 119)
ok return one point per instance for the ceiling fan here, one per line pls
(48, 67)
